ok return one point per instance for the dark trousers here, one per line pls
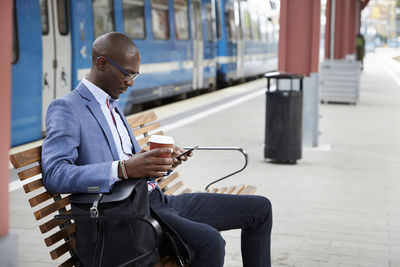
(198, 217)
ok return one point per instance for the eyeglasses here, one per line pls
(128, 75)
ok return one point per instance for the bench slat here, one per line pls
(249, 190)
(187, 190)
(239, 189)
(64, 248)
(166, 181)
(137, 120)
(29, 187)
(62, 203)
(28, 173)
(69, 263)
(53, 223)
(63, 233)
(222, 190)
(146, 129)
(216, 190)
(230, 189)
(41, 198)
(26, 157)
(143, 141)
(173, 188)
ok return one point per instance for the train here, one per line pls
(185, 45)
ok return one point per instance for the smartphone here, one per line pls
(186, 152)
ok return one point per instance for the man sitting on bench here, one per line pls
(87, 137)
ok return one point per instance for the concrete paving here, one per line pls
(339, 206)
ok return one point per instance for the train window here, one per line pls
(197, 21)
(256, 28)
(271, 31)
(210, 23)
(217, 18)
(230, 23)
(15, 50)
(159, 18)
(247, 25)
(62, 13)
(103, 16)
(44, 17)
(263, 29)
(181, 19)
(134, 23)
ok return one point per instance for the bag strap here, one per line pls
(119, 217)
(94, 212)
(175, 238)
(137, 258)
(175, 247)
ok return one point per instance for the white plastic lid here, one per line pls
(161, 139)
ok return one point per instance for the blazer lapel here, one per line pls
(96, 111)
(136, 147)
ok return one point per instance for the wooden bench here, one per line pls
(59, 234)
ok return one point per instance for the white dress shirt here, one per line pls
(102, 98)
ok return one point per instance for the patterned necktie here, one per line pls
(111, 104)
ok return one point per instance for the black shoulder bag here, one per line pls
(116, 229)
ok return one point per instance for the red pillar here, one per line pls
(299, 36)
(5, 109)
(346, 17)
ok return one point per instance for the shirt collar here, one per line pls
(99, 93)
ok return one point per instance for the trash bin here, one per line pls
(283, 121)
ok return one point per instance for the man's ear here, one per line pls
(101, 63)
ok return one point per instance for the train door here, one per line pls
(198, 46)
(56, 47)
(232, 29)
(239, 6)
(26, 73)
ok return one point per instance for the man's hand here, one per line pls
(149, 164)
(177, 152)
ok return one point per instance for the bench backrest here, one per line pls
(59, 234)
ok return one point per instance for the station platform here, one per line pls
(338, 206)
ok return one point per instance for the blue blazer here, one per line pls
(79, 148)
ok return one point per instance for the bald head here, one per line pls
(114, 59)
(113, 45)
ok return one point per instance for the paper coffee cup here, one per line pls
(158, 141)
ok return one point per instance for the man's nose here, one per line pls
(129, 82)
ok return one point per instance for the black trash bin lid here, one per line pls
(282, 75)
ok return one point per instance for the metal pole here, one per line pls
(332, 39)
